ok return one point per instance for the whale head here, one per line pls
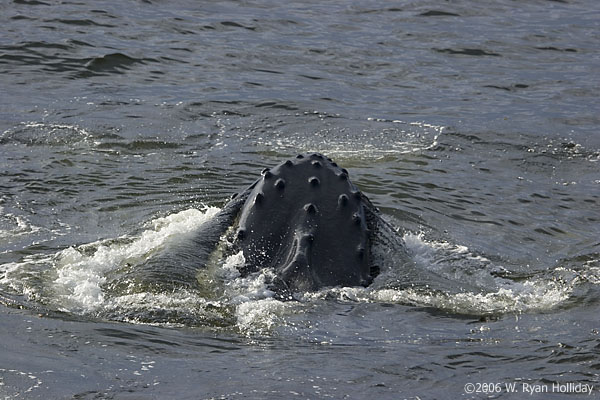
(305, 220)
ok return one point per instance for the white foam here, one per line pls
(531, 296)
(256, 309)
(379, 138)
(242, 289)
(451, 261)
(15, 225)
(460, 266)
(261, 316)
(79, 276)
(593, 273)
(173, 309)
(229, 270)
(76, 275)
(528, 297)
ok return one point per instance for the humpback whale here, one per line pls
(307, 221)
(303, 219)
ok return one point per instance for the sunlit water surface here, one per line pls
(472, 125)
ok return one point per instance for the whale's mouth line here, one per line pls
(291, 264)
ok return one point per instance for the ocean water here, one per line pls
(472, 125)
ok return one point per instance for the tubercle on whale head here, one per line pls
(280, 184)
(310, 208)
(314, 181)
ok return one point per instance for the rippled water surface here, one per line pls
(472, 125)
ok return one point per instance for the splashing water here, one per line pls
(73, 279)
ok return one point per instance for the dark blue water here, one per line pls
(472, 125)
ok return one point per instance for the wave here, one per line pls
(45, 134)
(63, 57)
(112, 63)
(71, 135)
(459, 282)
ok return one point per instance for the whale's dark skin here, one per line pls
(307, 221)
(303, 218)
